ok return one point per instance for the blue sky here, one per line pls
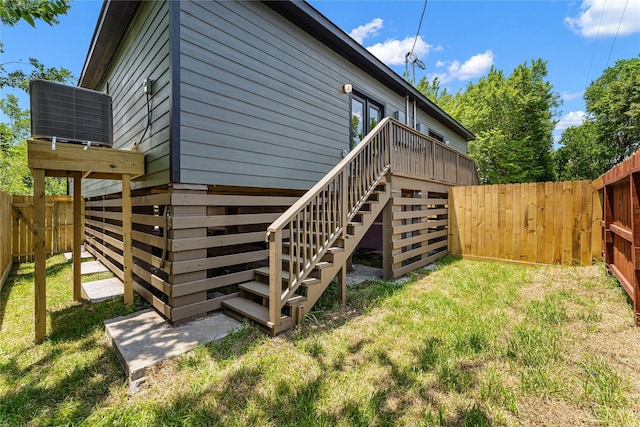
(458, 42)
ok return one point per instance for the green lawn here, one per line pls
(470, 344)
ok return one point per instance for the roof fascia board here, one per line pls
(113, 21)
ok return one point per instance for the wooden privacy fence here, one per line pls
(58, 222)
(547, 222)
(5, 233)
(621, 226)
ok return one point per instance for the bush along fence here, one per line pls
(16, 225)
(620, 187)
(547, 222)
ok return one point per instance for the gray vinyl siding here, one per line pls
(455, 141)
(261, 100)
(142, 53)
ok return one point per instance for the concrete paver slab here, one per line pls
(101, 290)
(84, 255)
(144, 338)
(91, 267)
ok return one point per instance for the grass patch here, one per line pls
(472, 343)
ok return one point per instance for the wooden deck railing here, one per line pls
(311, 226)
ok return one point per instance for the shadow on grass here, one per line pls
(35, 396)
(247, 396)
(63, 379)
(17, 275)
(60, 381)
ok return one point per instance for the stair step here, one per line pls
(262, 290)
(319, 266)
(309, 281)
(252, 310)
(256, 288)
(331, 250)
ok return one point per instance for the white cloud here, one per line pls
(393, 51)
(570, 96)
(367, 30)
(574, 118)
(476, 66)
(600, 18)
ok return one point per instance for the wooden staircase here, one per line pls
(310, 243)
(253, 302)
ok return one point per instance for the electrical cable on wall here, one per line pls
(147, 92)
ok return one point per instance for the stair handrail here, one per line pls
(340, 193)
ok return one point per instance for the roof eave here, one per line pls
(114, 18)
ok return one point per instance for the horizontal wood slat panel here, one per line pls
(178, 223)
(180, 245)
(424, 237)
(182, 267)
(178, 199)
(418, 251)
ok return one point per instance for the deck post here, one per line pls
(342, 284)
(387, 241)
(77, 235)
(126, 239)
(275, 277)
(40, 254)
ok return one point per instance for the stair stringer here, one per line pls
(314, 292)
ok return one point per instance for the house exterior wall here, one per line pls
(455, 141)
(241, 97)
(142, 53)
(262, 103)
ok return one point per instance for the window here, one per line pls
(436, 136)
(365, 115)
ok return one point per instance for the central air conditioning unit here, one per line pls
(70, 114)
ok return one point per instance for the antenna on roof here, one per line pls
(412, 58)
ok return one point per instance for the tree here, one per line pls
(14, 173)
(613, 101)
(12, 11)
(435, 92)
(612, 129)
(581, 154)
(512, 118)
(20, 80)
